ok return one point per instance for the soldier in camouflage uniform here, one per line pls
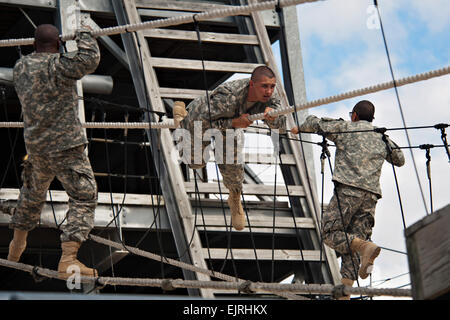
(349, 218)
(45, 82)
(230, 104)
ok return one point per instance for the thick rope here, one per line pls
(206, 15)
(168, 123)
(176, 263)
(171, 124)
(247, 286)
(355, 93)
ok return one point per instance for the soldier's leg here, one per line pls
(233, 178)
(36, 179)
(362, 227)
(77, 178)
(336, 230)
(336, 220)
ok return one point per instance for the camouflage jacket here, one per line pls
(228, 101)
(46, 86)
(360, 155)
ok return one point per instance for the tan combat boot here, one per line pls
(69, 258)
(368, 251)
(17, 245)
(348, 283)
(179, 112)
(237, 213)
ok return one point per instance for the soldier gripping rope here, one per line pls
(228, 109)
(45, 82)
(350, 216)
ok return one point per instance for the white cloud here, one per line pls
(434, 13)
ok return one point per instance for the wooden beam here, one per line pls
(264, 254)
(187, 64)
(103, 197)
(175, 93)
(228, 38)
(248, 189)
(193, 6)
(261, 158)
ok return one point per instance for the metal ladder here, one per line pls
(303, 209)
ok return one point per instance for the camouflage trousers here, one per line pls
(73, 169)
(227, 152)
(357, 220)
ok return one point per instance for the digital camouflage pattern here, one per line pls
(227, 101)
(73, 169)
(54, 138)
(45, 85)
(358, 162)
(358, 218)
(360, 155)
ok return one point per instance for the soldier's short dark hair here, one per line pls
(46, 35)
(365, 110)
(262, 71)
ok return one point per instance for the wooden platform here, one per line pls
(428, 246)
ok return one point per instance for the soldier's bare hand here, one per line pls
(294, 130)
(266, 114)
(241, 122)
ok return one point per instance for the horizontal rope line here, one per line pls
(172, 21)
(248, 286)
(173, 262)
(355, 93)
(167, 124)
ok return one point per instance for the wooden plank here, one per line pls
(264, 158)
(428, 247)
(214, 37)
(247, 189)
(263, 254)
(103, 197)
(176, 93)
(187, 64)
(192, 6)
(258, 224)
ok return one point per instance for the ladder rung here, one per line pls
(179, 5)
(228, 38)
(248, 189)
(259, 222)
(188, 64)
(263, 254)
(264, 158)
(181, 93)
(103, 197)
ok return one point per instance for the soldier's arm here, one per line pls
(396, 158)
(280, 121)
(322, 126)
(74, 66)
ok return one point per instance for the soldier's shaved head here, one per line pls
(46, 38)
(262, 71)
